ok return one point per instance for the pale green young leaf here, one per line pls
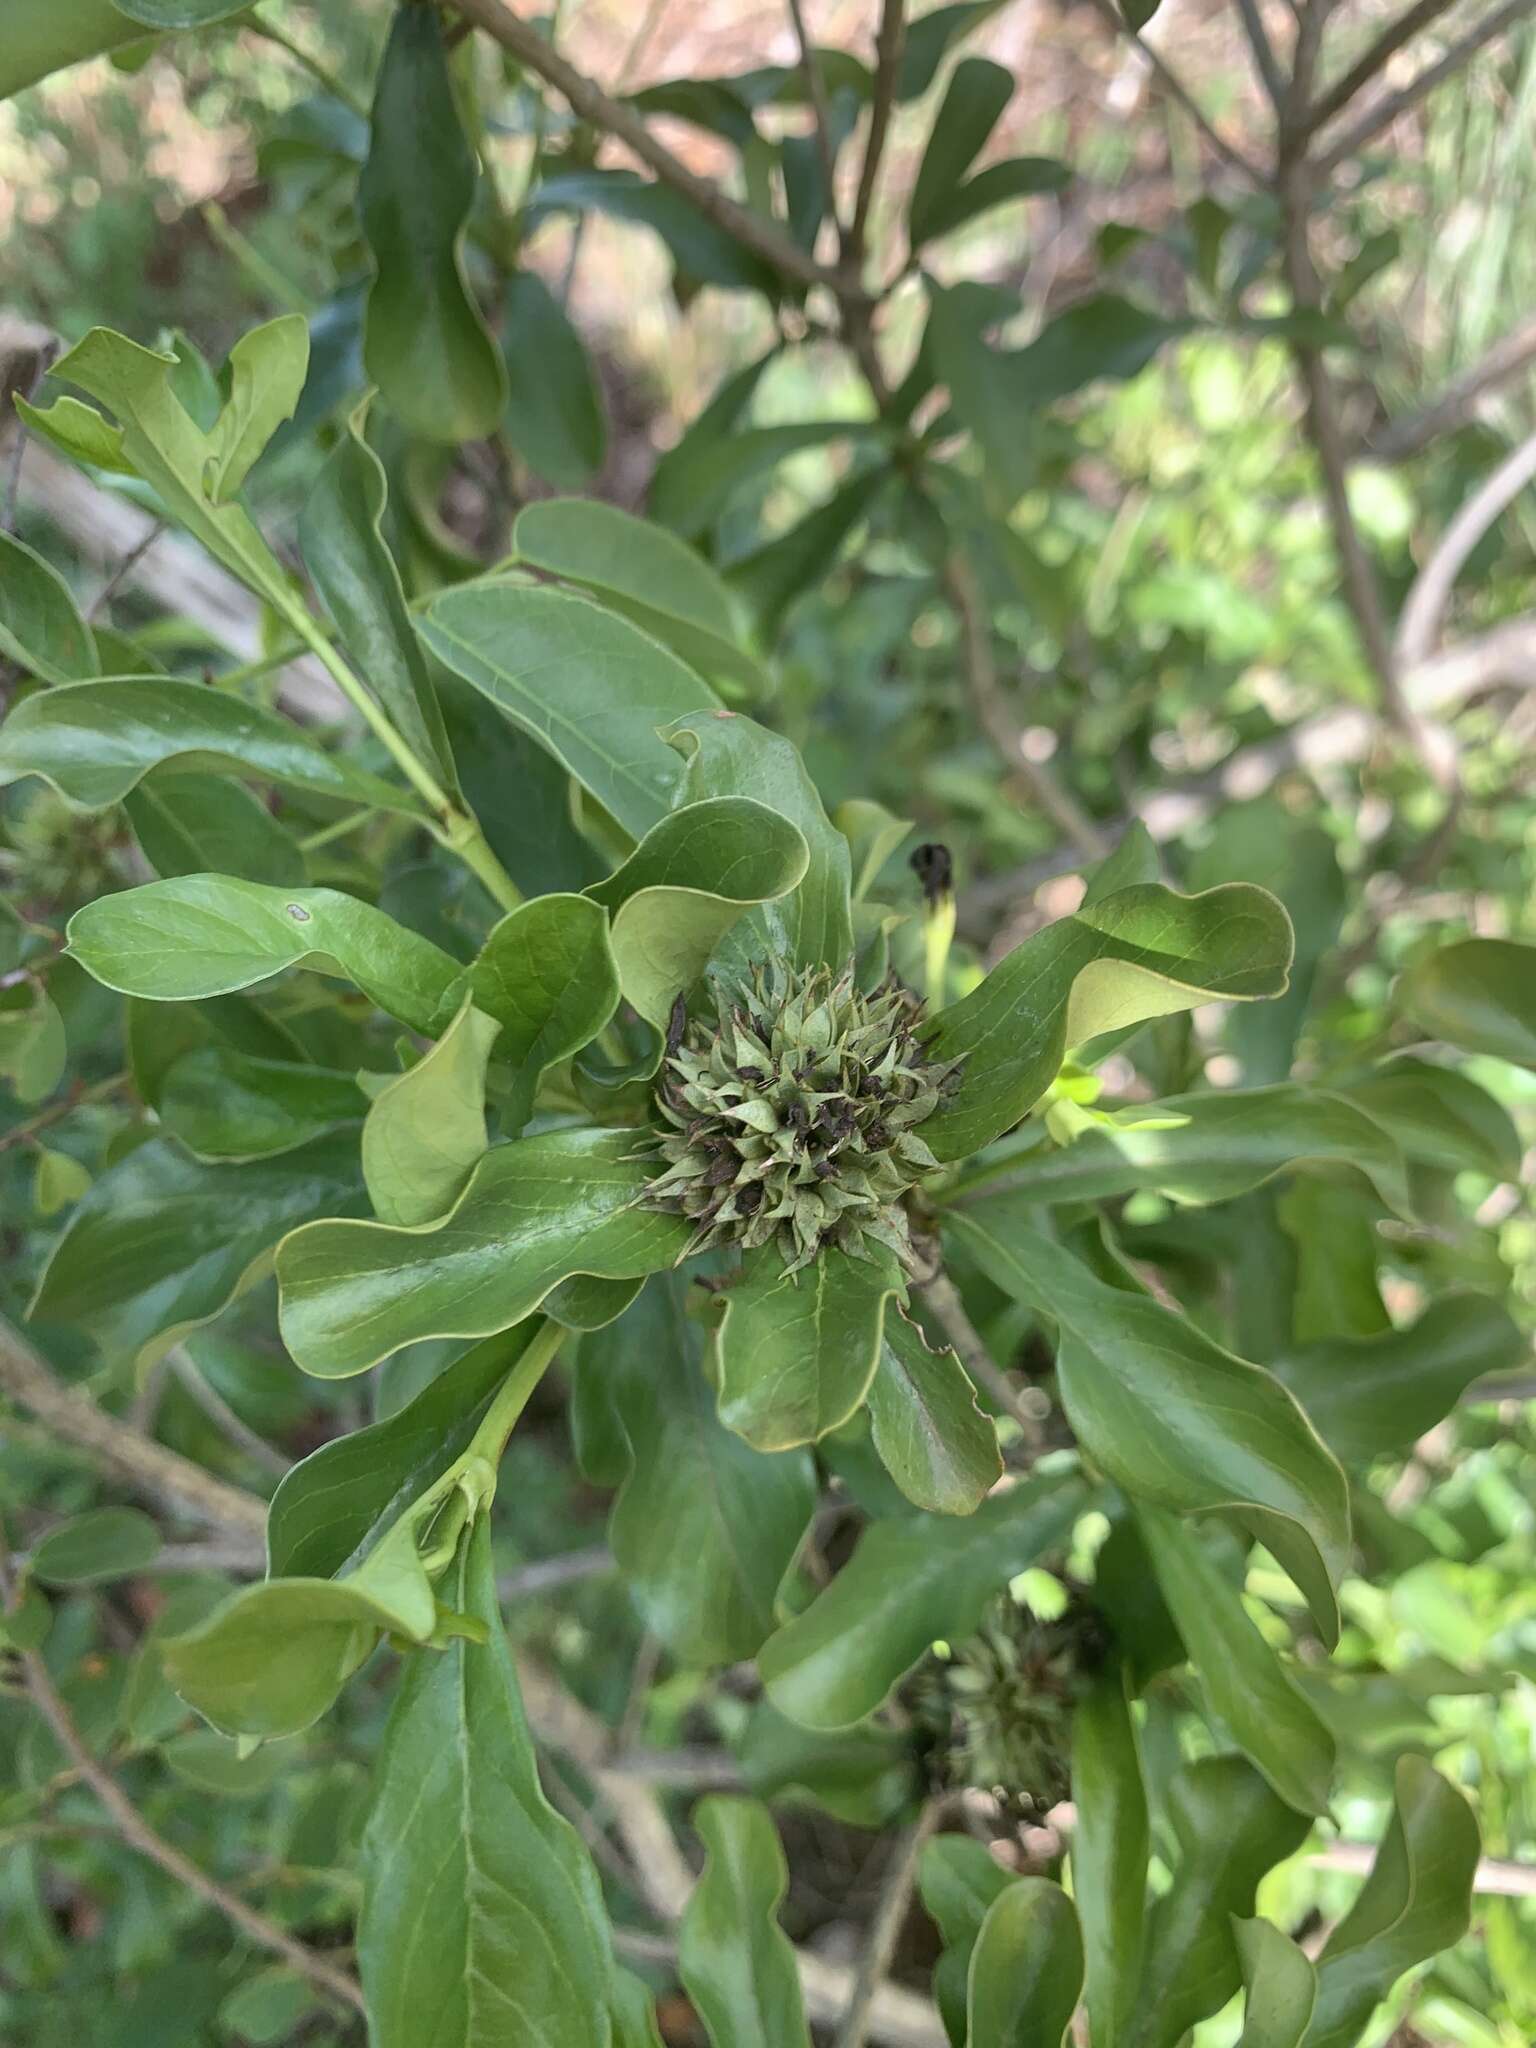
(33, 1047)
(1110, 1846)
(41, 628)
(535, 1213)
(1026, 1970)
(425, 1132)
(266, 372)
(57, 1181)
(734, 1959)
(931, 1437)
(873, 834)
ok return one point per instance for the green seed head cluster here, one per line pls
(996, 1712)
(792, 1115)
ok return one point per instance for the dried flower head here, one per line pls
(995, 1712)
(793, 1115)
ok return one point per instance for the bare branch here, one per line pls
(545, 1574)
(997, 719)
(1263, 50)
(943, 1297)
(885, 1926)
(1403, 438)
(1371, 60)
(1419, 626)
(1175, 87)
(587, 99)
(1374, 119)
(149, 1468)
(889, 45)
(224, 1419)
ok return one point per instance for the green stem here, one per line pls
(335, 86)
(337, 829)
(490, 1439)
(264, 275)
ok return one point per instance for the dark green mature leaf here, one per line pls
(1479, 994)
(205, 935)
(425, 1132)
(1140, 952)
(796, 1351)
(1245, 1685)
(33, 1047)
(163, 1242)
(1416, 1901)
(732, 1955)
(482, 1917)
(41, 629)
(930, 36)
(704, 1527)
(644, 572)
(686, 884)
(211, 824)
(1230, 1141)
(1167, 1413)
(341, 538)
(1110, 1846)
(775, 574)
(535, 1213)
(958, 1880)
(41, 37)
(1230, 1830)
(908, 1584)
(972, 106)
(1016, 177)
(727, 754)
(865, 1776)
(95, 741)
(1026, 1968)
(587, 685)
(224, 1104)
(1440, 1117)
(1279, 1983)
(180, 13)
(935, 1442)
(703, 252)
(554, 413)
(547, 974)
(424, 342)
(1368, 1396)
(695, 483)
(107, 1543)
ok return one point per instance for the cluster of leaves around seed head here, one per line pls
(792, 1115)
(995, 1713)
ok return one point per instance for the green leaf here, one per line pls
(686, 884)
(959, 1881)
(1440, 1117)
(88, 1550)
(1228, 1141)
(1279, 1983)
(1369, 1396)
(1016, 177)
(973, 104)
(210, 824)
(224, 1104)
(1110, 1846)
(1026, 1968)
(645, 573)
(865, 1777)
(1479, 994)
(1140, 952)
(772, 576)
(554, 415)
(930, 37)
(211, 1762)
(78, 431)
(729, 755)
(587, 685)
(266, 2007)
(935, 1442)
(909, 1583)
(546, 973)
(796, 1352)
(1416, 1901)
(205, 935)
(1245, 1685)
(342, 540)
(41, 628)
(41, 37)
(266, 372)
(424, 342)
(482, 1918)
(704, 1528)
(33, 1049)
(1230, 1829)
(693, 484)
(180, 13)
(425, 1132)
(733, 1957)
(96, 741)
(163, 1242)
(1168, 1414)
(534, 1213)
(703, 252)
(57, 1182)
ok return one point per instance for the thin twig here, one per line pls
(821, 113)
(752, 230)
(548, 1573)
(1406, 437)
(139, 1835)
(1177, 89)
(1265, 61)
(1419, 626)
(224, 1419)
(886, 1924)
(1371, 60)
(998, 721)
(890, 42)
(162, 1475)
(943, 1297)
(1374, 119)
(322, 74)
(45, 356)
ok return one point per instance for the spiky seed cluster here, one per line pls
(996, 1712)
(794, 1115)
